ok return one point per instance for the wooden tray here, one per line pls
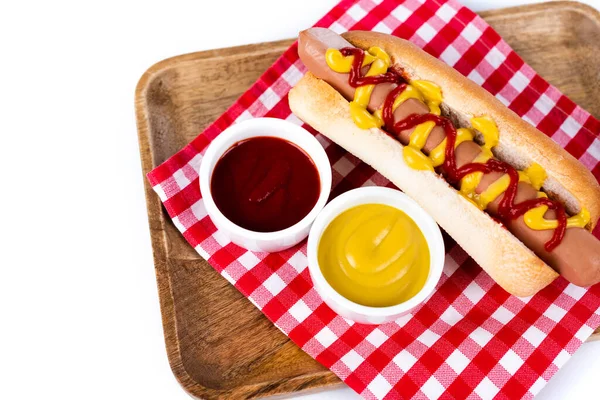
(219, 345)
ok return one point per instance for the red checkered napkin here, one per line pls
(471, 339)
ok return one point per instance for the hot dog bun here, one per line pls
(512, 264)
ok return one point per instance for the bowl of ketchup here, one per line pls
(263, 182)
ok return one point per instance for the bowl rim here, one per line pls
(270, 127)
(393, 198)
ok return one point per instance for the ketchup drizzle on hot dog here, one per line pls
(356, 79)
(507, 209)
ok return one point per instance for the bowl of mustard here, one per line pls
(374, 255)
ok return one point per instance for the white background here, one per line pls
(79, 311)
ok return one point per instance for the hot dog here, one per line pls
(520, 258)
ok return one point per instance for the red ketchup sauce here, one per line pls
(507, 208)
(265, 184)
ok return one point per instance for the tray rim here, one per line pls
(157, 220)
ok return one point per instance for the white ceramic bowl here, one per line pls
(375, 195)
(261, 127)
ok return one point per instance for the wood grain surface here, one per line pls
(219, 345)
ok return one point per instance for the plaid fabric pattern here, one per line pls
(471, 339)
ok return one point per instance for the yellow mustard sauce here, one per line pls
(431, 94)
(534, 218)
(374, 255)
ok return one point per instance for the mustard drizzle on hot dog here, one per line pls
(430, 93)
